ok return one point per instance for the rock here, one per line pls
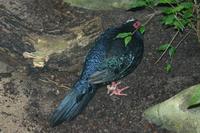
(173, 114)
(28, 40)
(46, 45)
(101, 4)
(5, 70)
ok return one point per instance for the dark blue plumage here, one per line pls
(109, 60)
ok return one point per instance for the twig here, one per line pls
(167, 47)
(186, 35)
(151, 16)
(195, 2)
(193, 27)
(149, 19)
(49, 80)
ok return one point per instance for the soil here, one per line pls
(27, 99)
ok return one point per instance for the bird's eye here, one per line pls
(130, 20)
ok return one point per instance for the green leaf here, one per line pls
(187, 14)
(172, 51)
(187, 5)
(178, 8)
(167, 1)
(194, 99)
(157, 2)
(127, 40)
(142, 29)
(185, 22)
(168, 10)
(151, 2)
(168, 20)
(163, 47)
(123, 35)
(139, 3)
(178, 25)
(173, 10)
(168, 68)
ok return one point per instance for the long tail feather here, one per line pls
(70, 107)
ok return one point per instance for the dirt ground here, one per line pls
(27, 99)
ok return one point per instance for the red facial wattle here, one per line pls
(137, 25)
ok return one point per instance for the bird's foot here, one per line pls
(113, 89)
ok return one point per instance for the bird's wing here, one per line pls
(111, 69)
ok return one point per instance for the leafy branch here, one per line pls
(165, 47)
(127, 36)
(177, 14)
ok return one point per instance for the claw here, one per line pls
(115, 90)
(118, 92)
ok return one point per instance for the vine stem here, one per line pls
(186, 35)
(174, 37)
(150, 18)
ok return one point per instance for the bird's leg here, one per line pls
(113, 88)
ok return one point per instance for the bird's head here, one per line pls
(133, 24)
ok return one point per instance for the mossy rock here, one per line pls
(177, 114)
